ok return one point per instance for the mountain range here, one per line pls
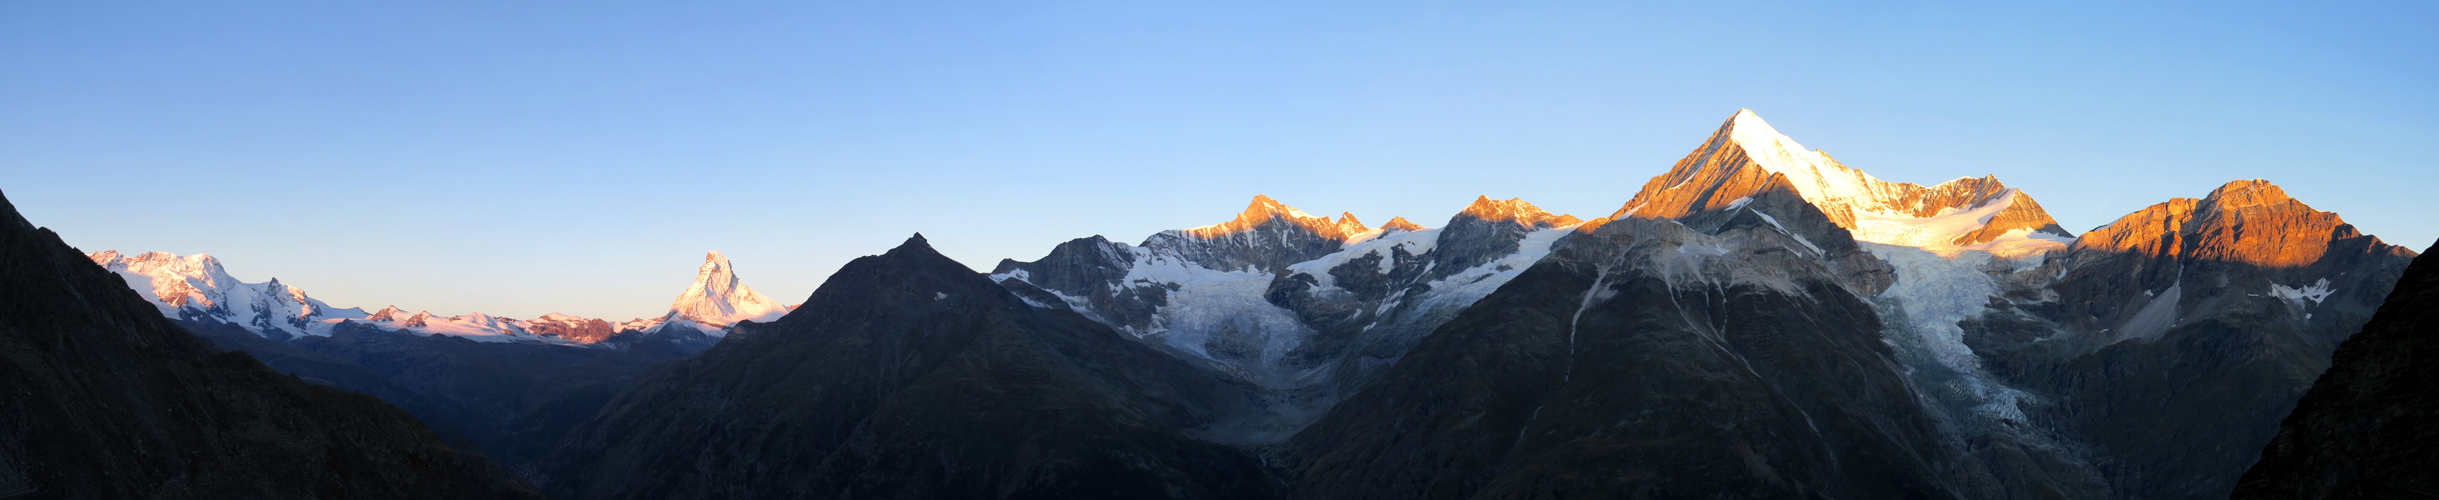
(197, 288)
(1758, 321)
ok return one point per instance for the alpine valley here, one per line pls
(1758, 321)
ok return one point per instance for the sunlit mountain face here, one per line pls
(1759, 320)
(195, 287)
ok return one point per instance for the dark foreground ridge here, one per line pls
(2367, 428)
(907, 375)
(102, 397)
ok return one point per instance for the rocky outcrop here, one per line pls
(2365, 429)
(1487, 230)
(579, 330)
(2021, 214)
(1266, 237)
(907, 375)
(103, 397)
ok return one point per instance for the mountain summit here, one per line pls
(717, 299)
(1742, 157)
(1263, 210)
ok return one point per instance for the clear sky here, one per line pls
(517, 158)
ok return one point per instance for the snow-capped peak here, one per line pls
(719, 299)
(1515, 210)
(1814, 175)
(1347, 223)
(1400, 224)
(391, 313)
(197, 287)
(1746, 153)
(1263, 209)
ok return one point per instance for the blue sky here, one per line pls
(517, 158)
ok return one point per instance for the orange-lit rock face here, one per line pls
(1746, 157)
(1514, 210)
(2248, 221)
(1711, 178)
(1263, 210)
(1400, 224)
(581, 330)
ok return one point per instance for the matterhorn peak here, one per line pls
(718, 299)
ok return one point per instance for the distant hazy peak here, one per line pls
(1400, 224)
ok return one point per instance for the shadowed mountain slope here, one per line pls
(908, 375)
(102, 397)
(1723, 357)
(2173, 340)
(2367, 428)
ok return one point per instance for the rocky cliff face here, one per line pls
(906, 375)
(1264, 238)
(2365, 429)
(103, 397)
(2171, 341)
(2143, 361)
(1646, 359)
(1307, 323)
(1746, 152)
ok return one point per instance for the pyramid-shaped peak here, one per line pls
(1264, 207)
(391, 313)
(1746, 119)
(1348, 225)
(420, 318)
(719, 298)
